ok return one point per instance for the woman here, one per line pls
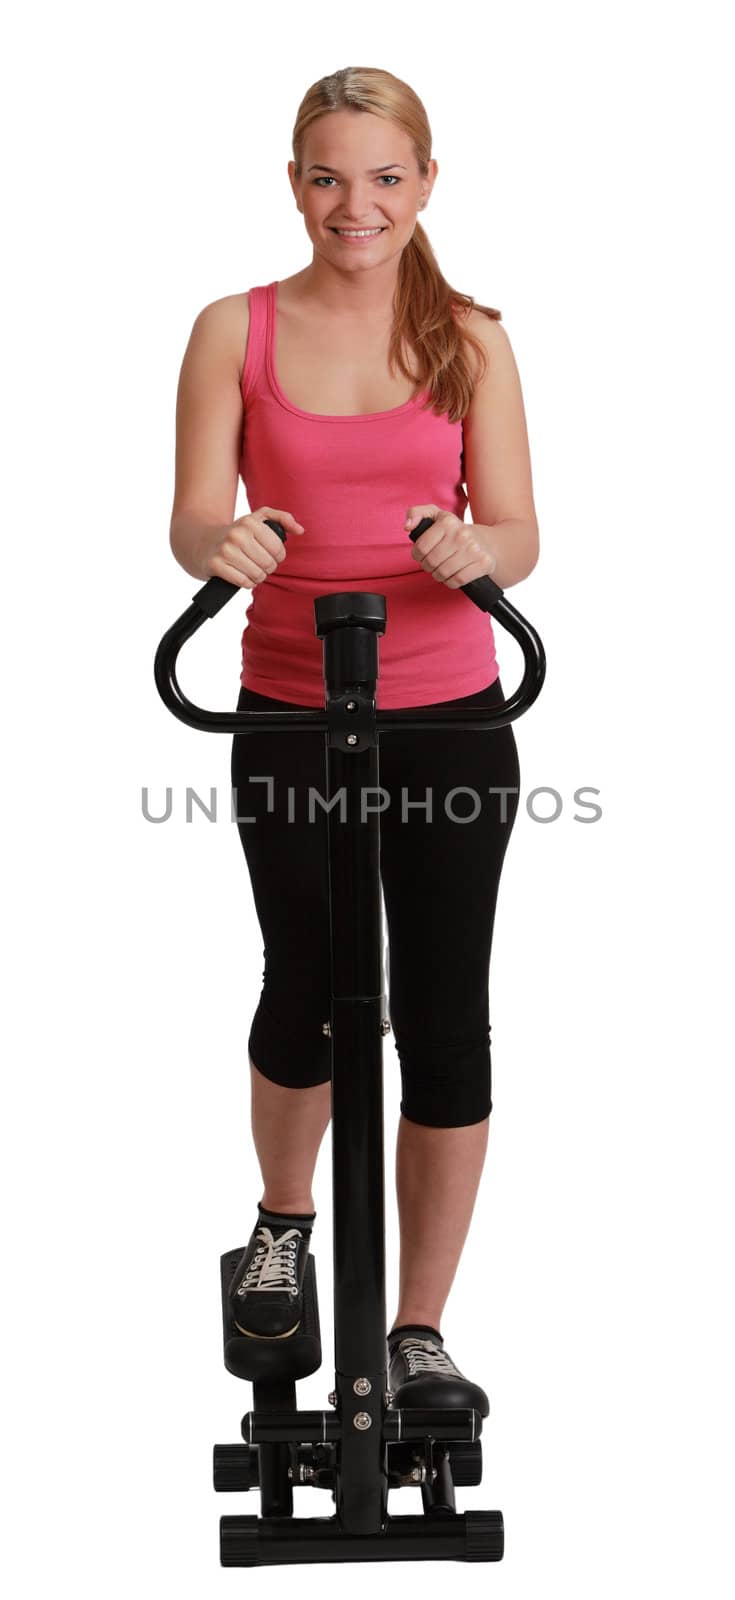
(355, 398)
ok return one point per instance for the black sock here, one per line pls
(303, 1220)
(405, 1328)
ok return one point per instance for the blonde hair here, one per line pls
(426, 308)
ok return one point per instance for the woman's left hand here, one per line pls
(453, 552)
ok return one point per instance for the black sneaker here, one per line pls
(266, 1293)
(420, 1373)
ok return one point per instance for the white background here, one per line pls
(582, 188)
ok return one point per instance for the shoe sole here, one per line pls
(250, 1335)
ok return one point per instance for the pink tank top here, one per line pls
(350, 480)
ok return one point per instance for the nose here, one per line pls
(356, 206)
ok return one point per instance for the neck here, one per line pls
(357, 294)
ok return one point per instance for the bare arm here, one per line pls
(497, 459)
(209, 421)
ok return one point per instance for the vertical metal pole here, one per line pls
(358, 1009)
(357, 1083)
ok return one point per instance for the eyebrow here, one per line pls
(319, 167)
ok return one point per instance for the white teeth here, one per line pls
(355, 233)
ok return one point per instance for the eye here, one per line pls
(392, 176)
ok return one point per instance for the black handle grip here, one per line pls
(210, 599)
(217, 591)
(483, 591)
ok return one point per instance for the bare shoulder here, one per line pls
(224, 324)
(491, 335)
(500, 378)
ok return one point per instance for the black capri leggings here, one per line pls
(440, 870)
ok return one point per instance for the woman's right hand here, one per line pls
(247, 551)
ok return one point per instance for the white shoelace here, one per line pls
(422, 1355)
(274, 1262)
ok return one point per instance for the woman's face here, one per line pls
(352, 194)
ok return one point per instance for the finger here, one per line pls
(415, 514)
(448, 562)
(434, 550)
(428, 542)
(272, 543)
(245, 574)
(476, 569)
(285, 517)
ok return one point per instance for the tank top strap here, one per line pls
(254, 365)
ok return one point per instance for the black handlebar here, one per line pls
(217, 591)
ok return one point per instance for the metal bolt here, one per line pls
(351, 738)
(362, 1420)
(385, 1025)
(351, 705)
(327, 1028)
(332, 1398)
(389, 1397)
(362, 1386)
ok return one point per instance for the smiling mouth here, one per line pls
(358, 230)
